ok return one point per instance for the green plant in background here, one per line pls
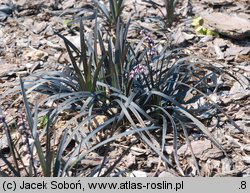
(197, 21)
(200, 29)
(42, 121)
(67, 22)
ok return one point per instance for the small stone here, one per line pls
(246, 159)
(39, 27)
(138, 174)
(220, 42)
(246, 147)
(235, 51)
(236, 27)
(29, 65)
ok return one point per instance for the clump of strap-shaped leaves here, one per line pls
(149, 106)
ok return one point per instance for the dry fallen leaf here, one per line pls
(34, 55)
(199, 147)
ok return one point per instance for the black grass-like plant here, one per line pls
(170, 8)
(14, 167)
(169, 5)
(113, 13)
(138, 94)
